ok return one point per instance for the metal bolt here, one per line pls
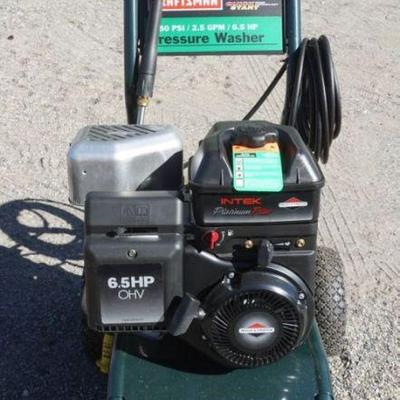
(231, 275)
(302, 296)
(300, 243)
(248, 244)
(132, 253)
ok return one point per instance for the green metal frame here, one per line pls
(135, 17)
(131, 55)
(293, 25)
(182, 374)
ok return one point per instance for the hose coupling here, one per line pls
(143, 101)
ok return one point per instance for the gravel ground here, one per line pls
(61, 69)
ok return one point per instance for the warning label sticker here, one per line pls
(257, 169)
(221, 26)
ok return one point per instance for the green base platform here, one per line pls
(144, 369)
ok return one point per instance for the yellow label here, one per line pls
(268, 148)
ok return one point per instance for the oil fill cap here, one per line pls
(253, 136)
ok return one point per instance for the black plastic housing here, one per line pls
(287, 219)
(215, 201)
(133, 259)
(152, 259)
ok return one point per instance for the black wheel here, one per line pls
(330, 301)
(92, 341)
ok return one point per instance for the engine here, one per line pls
(226, 261)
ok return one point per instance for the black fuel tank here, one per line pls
(216, 202)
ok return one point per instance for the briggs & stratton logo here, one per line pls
(292, 203)
(256, 329)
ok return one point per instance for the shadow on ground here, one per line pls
(41, 356)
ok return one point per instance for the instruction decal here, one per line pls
(221, 26)
(257, 169)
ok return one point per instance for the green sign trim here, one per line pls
(250, 34)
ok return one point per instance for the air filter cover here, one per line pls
(123, 158)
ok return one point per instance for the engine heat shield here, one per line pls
(122, 158)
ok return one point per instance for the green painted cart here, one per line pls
(182, 374)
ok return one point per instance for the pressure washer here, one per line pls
(212, 285)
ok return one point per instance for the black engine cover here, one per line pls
(194, 262)
(133, 259)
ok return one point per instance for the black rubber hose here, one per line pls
(313, 102)
(269, 90)
(148, 63)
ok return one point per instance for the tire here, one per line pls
(330, 300)
(92, 341)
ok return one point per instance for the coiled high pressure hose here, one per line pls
(313, 101)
